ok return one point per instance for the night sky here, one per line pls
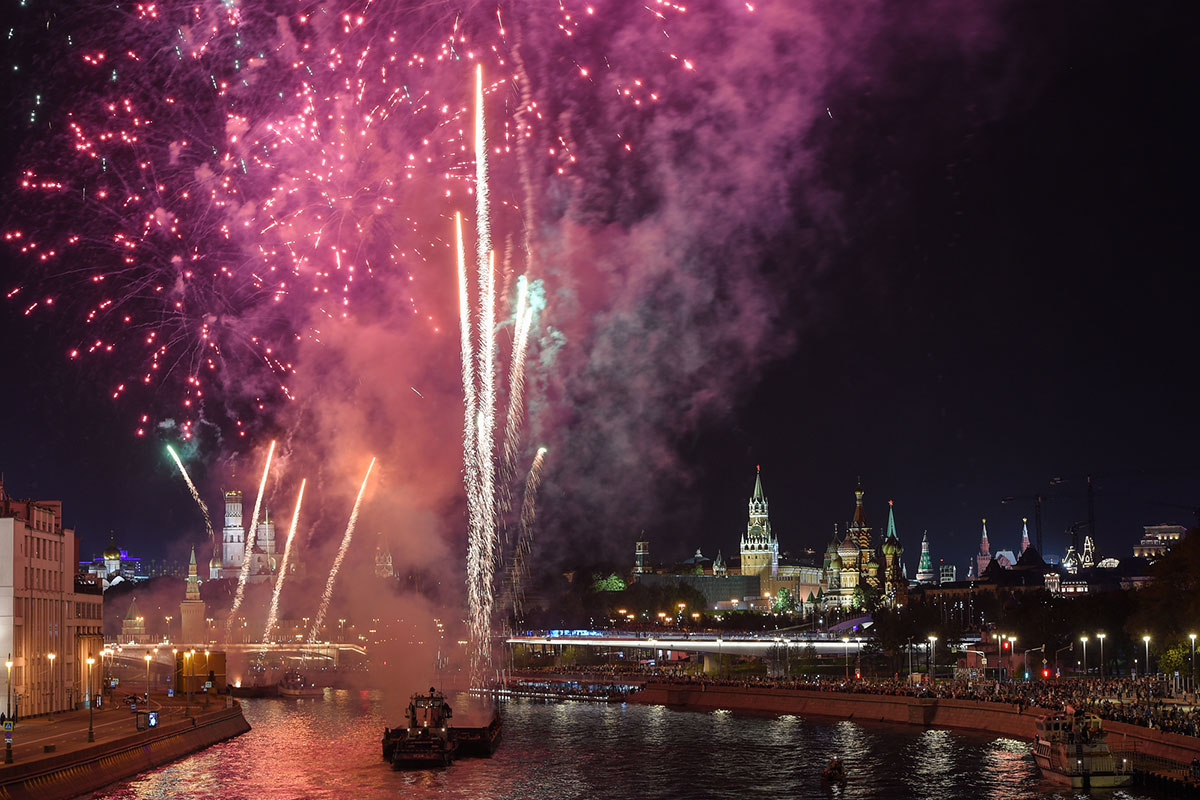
(1002, 291)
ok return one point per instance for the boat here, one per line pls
(1071, 748)
(425, 739)
(834, 772)
(295, 684)
(479, 740)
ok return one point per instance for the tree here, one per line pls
(1174, 659)
(784, 602)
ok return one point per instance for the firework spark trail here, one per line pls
(212, 537)
(471, 474)
(483, 564)
(273, 614)
(341, 555)
(248, 545)
(525, 538)
(516, 389)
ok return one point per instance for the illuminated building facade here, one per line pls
(49, 622)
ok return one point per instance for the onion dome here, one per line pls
(214, 562)
(872, 564)
(835, 563)
(891, 546)
(112, 551)
(847, 549)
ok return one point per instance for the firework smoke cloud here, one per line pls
(243, 213)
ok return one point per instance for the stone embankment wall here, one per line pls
(82, 771)
(997, 718)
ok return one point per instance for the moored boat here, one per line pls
(294, 684)
(1071, 748)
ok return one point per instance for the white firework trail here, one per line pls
(273, 615)
(529, 503)
(341, 555)
(483, 214)
(516, 567)
(470, 433)
(195, 495)
(248, 545)
(478, 444)
(516, 387)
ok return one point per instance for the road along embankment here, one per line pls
(67, 775)
(1000, 719)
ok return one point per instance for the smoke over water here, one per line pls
(289, 269)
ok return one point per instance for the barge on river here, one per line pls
(1072, 749)
(430, 738)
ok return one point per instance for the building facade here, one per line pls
(263, 559)
(49, 623)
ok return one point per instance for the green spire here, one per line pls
(926, 565)
(891, 528)
(758, 490)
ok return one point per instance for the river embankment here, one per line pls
(1000, 719)
(63, 775)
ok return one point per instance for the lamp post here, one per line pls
(1146, 639)
(8, 666)
(846, 642)
(1084, 639)
(91, 701)
(1101, 636)
(147, 657)
(1192, 636)
(932, 639)
(51, 656)
(1012, 656)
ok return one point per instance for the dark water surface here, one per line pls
(330, 749)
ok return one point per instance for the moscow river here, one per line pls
(330, 748)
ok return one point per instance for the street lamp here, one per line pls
(148, 658)
(1146, 639)
(51, 656)
(1012, 656)
(1084, 639)
(1192, 636)
(91, 701)
(1101, 636)
(932, 639)
(846, 642)
(8, 666)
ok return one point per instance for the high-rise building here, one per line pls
(49, 623)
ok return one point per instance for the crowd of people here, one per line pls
(1138, 701)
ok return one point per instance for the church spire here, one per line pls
(925, 573)
(193, 578)
(1024, 534)
(984, 556)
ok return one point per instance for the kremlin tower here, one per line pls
(925, 572)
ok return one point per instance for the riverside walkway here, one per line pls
(67, 731)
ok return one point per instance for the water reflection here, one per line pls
(330, 750)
